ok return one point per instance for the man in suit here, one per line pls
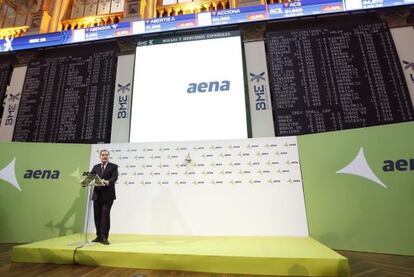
(104, 196)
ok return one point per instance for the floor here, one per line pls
(362, 264)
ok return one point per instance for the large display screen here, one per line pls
(336, 76)
(249, 13)
(68, 96)
(5, 72)
(189, 88)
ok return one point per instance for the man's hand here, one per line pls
(106, 183)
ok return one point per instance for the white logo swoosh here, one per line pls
(8, 174)
(359, 167)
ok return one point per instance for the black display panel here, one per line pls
(5, 73)
(335, 77)
(68, 96)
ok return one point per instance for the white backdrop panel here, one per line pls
(11, 107)
(259, 91)
(248, 187)
(121, 113)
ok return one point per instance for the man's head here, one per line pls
(104, 156)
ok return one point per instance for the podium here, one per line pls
(91, 181)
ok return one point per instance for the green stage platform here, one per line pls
(286, 256)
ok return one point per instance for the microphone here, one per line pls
(188, 158)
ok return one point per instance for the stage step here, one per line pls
(285, 256)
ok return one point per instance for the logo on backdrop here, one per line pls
(409, 65)
(123, 100)
(13, 98)
(11, 109)
(213, 86)
(257, 77)
(8, 174)
(360, 167)
(259, 88)
(202, 164)
(41, 174)
(123, 89)
(8, 44)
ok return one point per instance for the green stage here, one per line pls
(239, 255)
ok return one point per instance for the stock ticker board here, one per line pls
(5, 72)
(283, 10)
(336, 77)
(68, 97)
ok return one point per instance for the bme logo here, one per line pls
(12, 108)
(409, 66)
(209, 86)
(259, 90)
(123, 100)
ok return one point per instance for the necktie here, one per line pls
(102, 169)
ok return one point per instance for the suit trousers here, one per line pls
(101, 212)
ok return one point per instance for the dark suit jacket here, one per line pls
(105, 193)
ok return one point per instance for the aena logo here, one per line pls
(400, 165)
(41, 174)
(214, 86)
(360, 167)
(8, 174)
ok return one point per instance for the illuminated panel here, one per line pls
(199, 96)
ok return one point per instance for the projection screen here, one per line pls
(189, 88)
